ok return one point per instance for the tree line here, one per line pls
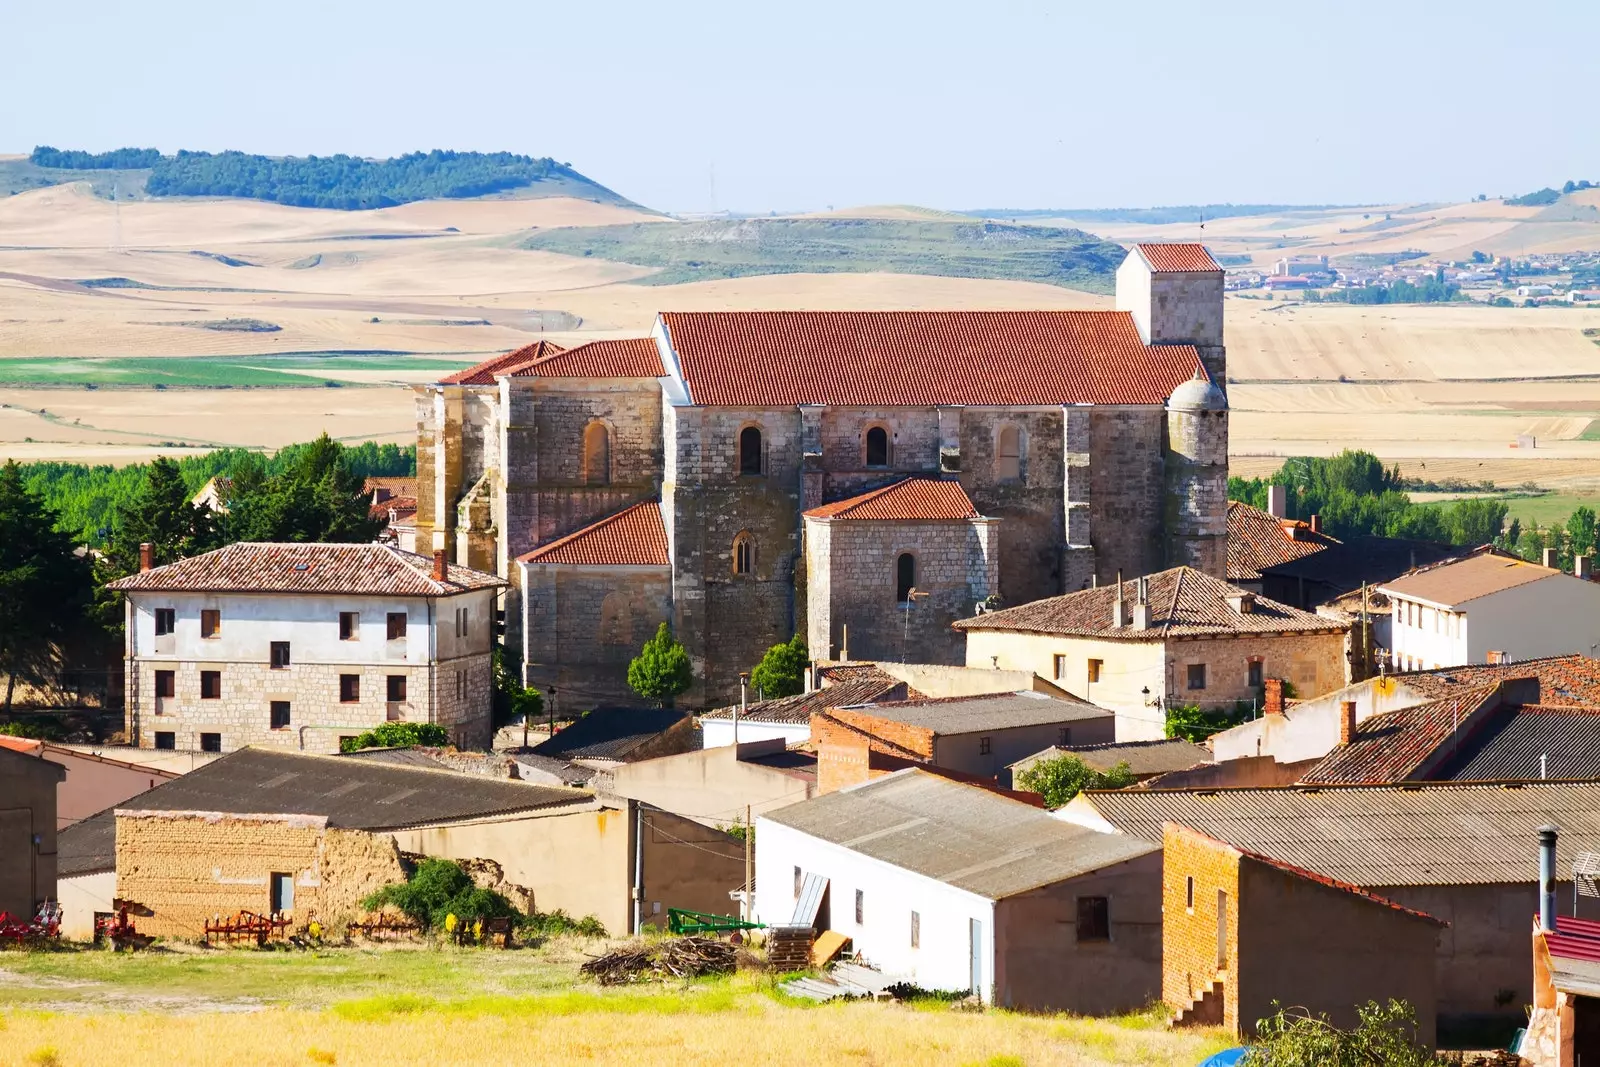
(119, 159)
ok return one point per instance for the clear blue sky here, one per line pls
(798, 106)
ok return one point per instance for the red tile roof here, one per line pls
(1183, 602)
(633, 537)
(1258, 540)
(269, 567)
(1571, 679)
(914, 498)
(628, 357)
(484, 373)
(1393, 746)
(1178, 258)
(922, 358)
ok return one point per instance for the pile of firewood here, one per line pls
(677, 957)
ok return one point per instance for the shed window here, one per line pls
(1064, 736)
(282, 892)
(166, 621)
(905, 577)
(210, 623)
(749, 450)
(1094, 919)
(1197, 676)
(1059, 662)
(985, 746)
(396, 625)
(396, 686)
(744, 553)
(877, 447)
(597, 454)
(1255, 675)
(1094, 669)
(1188, 893)
(1008, 454)
(278, 714)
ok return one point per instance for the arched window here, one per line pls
(905, 576)
(749, 450)
(744, 554)
(1008, 454)
(877, 447)
(596, 454)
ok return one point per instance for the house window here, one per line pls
(905, 577)
(396, 687)
(597, 454)
(985, 745)
(210, 623)
(1254, 671)
(1008, 455)
(744, 553)
(461, 622)
(799, 880)
(166, 684)
(210, 742)
(349, 688)
(916, 930)
(397, 625)
(877, 447)
(166, 621)
(749, 450)
(349, 625)
(1094, 919)
(210, 685)
(278, 711)
(166, 739)
(1094, 669)
(282, 892)
(1188, 893)
(1197, 676)
(280, 655)
(1064, 736)
(861, 907)
(1059, 663)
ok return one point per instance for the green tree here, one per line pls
(661, 670)
(1384, 1036)
(782, 671)
(398, 735)
(1194, 723)
(317, 498)
(1063, 777)
(1581, 532)
(438, 888)
(161, 514)
(513, 701)
(44, 588)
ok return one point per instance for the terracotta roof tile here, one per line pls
(633, 537)
(1465, 578)
(268, 567)
(484, 373)
(1572, 679)
(797, 710)
(628, 357)
(922, 358)
(1183, 602)
(1258, 540)
(1391, 747)
(914, 498)
(1178, 258)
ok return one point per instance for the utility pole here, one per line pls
(552, 711)
(749, 839)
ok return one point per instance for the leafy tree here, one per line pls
(1385, 1036)
(781, 672)
(661, 670)
(44, 588)
(439, 888)
(162, 515)
(1063, 777)
(120, 159)
(513, 701)
(398, 735)
(318, 498)
(1581, 532)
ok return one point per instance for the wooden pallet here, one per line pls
(789, 947)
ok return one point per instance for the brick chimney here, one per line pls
(1583, 567)
(1316, 524)
(441, 565)
(1272, 698)
(147, 556)
(1347, 721)
(1549, 558)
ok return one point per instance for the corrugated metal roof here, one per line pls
(1142, 757)
(964, 835)
(270, 567)
(973, 714)
(922, 358)
(1374, 836)
(1458, 581)
(88, 846)
(913, 498)
(1178, 257)
(609, 733)
(1512, 743)
(633, 537)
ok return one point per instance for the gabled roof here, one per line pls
(272, 567)
(913, 498)
(1177, 257)
(609, 733)
(1258, 540)
(922, 358)
(1462, 580)
(797, 710)
(971, 714)
(1183, 602)
(352, 793)
(633, 537)
(964, 835)
(1143, 758)
(627, 357)
(1417, 833)
(1570, 679)
(485, 373)
(1393, 746)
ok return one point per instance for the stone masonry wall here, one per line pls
(1033, 532)
(1314, 663)
(1127, 486)
(584, 625)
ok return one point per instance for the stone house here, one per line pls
(1096, 441)
(1176, 637)
(1240, 930)
(298, 645)
(27, 831)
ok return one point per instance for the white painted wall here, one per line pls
(1423, 636)
(716, 733)
(1554, 616)
(80, 898)
(891, 894)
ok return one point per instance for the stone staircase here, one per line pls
(1206, 1010)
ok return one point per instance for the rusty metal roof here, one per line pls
(1177, 257)
(274, 567)
(913, 498)
(633, 537)
(922, 358)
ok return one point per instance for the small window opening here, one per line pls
(210, 742)
(744, 554)
(166, 684)
(210, 685)
(985, 746)
(861, 907)
(349, 688)
(749, 450)
(877, 447)
(1197, 676)
(916, 930)
(905, 577)
(1095, 666)
(1008, 454)
(166, 621)
(1255, 679)
(1188, 893)
(280, 655)
(396, 687)
(396, 625)
(349, 625)
(278, 712)
(210, 623)
(1094, 919)
(166, 739)
(597, 454)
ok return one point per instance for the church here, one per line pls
(861, 478)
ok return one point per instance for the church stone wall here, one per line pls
(1033, 533)
(584, 625)
(1127, 485)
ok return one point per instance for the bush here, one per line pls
(1060, 779)
(398, 735)
(439, 888)
(661, 670)
(1194, 723)
(558, 922)
(1385, 1036)
(781, 672)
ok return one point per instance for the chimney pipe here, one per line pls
(1316, 524)
(441, 565)
(744, 696)
(147, 556)
(1549, 558)
(1118, 618)
(1547, 877)
(1347, 721)
(1272, 696)
(1278, 501)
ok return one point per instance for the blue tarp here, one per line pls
(1226, 1058)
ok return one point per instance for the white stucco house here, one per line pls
(298, 645)
(1489, 607)
(956, 887)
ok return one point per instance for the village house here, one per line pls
(1085, 442)
(1176, 637)
(1018, 908)
(93, 783)
(1260, 540)
(789, 718)
(1243, 933)
(1143, 759)
(300, 645)
(1456, 851)
(27, 831)
(1564, 1023)
(720, 786)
